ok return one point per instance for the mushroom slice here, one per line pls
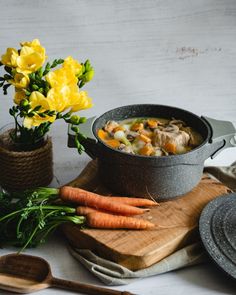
(110, 126)
(179, 123)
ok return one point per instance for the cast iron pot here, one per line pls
(158, 177)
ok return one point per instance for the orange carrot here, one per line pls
(104, 220)
(170, 147)
(103, 135)
(152, 123)
(147, 133)
(85, 210)
(114, 143)
(147, 150)
(137, 202)
(137, 127)
(118, 128)
(144, 138)
(83, 197)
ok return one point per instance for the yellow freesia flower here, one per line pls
(61, 77)
(33, 43)
(80, 101)
(32, 57)
(19, 96)
(72, 64)
(9, 58)
(58, 98)
(38, 99)
(61, 97)
(68, 96)
(20, 80)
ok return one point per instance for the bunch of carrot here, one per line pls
(106, 211)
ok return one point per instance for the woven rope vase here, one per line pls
(20, 170)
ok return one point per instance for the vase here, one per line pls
(24, 166)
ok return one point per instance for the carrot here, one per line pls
(104, 220)
(103, 135)
(85, 210)
(114, 143)
(144, 138)
(137, 202)
(152, 123)
(170, 147)
(147, 150)
(137, 127)
(83, 197)
(147, 133)
(118, 128)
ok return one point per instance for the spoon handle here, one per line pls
(85, 288)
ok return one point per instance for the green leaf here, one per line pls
(40, 73)
(75, 129)
(67, 115)
(1, 84)
(45, 72)
(88, 76)
(81, 84)
(8, 69)
(42, 115)
(74, 120)
(25, 104)
(14, 108)
(47, 69)
(11, 112)
(32, 76)
(7, 77)
(47, 66)
(51, 113)
(81, 137)
(37, 108)
(54, 64)
(35, 87)
(87, 65)
(27, 92)
(5, 88)
(82, 120)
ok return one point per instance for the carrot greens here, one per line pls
(27, 218)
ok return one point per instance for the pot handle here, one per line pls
(223, 135)
(90, 143)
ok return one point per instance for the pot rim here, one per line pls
(178, 156)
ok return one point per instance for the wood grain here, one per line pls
(22, 274)
(176, 225)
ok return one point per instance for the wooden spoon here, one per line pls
(22, 273)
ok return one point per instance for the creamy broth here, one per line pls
(150, 136)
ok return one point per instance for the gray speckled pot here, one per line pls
(159, 177)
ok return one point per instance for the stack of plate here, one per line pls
(217, 227)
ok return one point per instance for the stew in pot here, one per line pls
(150, 136)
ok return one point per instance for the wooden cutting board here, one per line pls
(177, 222)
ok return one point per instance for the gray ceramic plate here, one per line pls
(217, 228)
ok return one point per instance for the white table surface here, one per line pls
(180, 53)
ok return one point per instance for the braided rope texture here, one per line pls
(26, 169)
